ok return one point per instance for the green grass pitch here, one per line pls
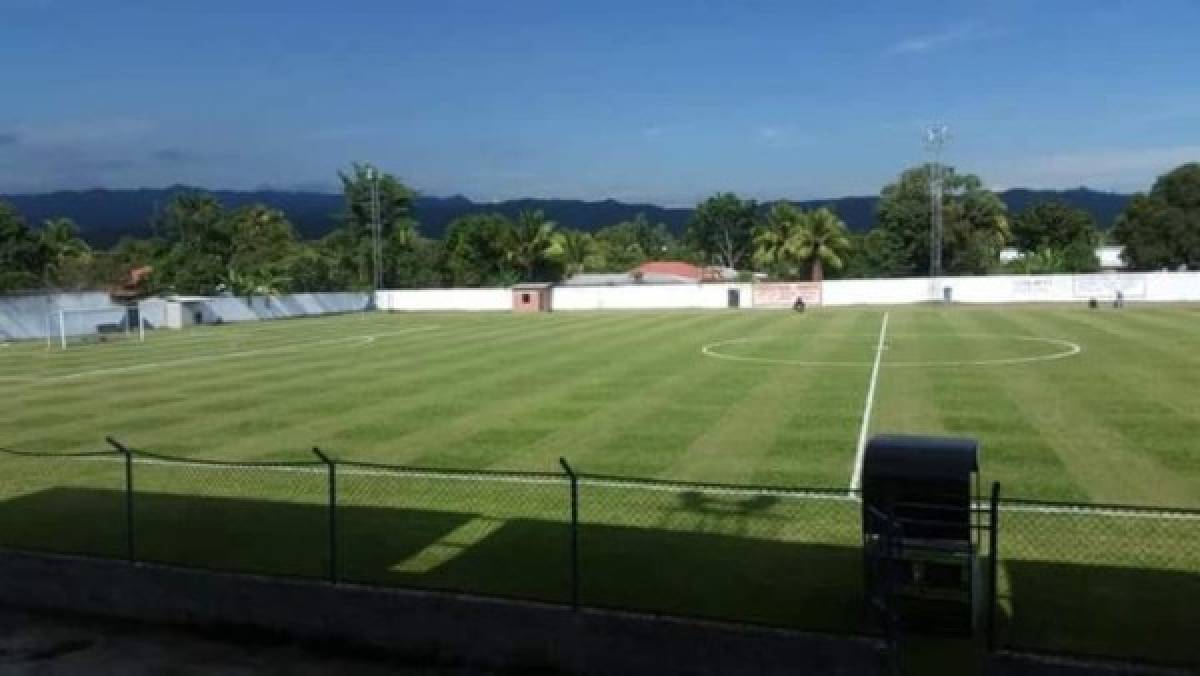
(1094, 406)
(633, 394)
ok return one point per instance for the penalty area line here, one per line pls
(856, 476)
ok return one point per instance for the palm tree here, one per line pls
(777, 242)
(528, 240)
(571, 248)
(65, 251)
(823, 240)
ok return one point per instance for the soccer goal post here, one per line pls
(151, 316)
(94, 325)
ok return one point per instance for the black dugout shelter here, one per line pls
(921, 537)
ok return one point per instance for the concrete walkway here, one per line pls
(43, 644)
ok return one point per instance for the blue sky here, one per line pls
(656, 101)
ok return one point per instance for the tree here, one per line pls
(69, 262)
(197, 258)
(261, 246)
(312, 267)
(975, 226)
(474, 254)
(792, 238)
(527, 242)
(628, 244)
(722, 228)
(23, 256)
(1052, 225)
(398, 229)
(777, 242)
(1162, 229)
(572, 249)
(876, 253)
(415, 264)
(824, 241)
(1045, 260)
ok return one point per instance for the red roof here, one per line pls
(678, 268)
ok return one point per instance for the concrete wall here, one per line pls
(231, 309)
(419, 300)
(24, 316)
(649, 296)
(1166, 286)
(875, 291)
(437, 627)
(1153, 286)
(30, 316)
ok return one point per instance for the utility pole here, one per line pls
(936, 136)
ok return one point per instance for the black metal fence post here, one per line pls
(333, 558)
(993, 564)
(574, 479)
(130, 552)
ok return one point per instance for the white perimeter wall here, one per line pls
(28, 316)
(418, 300)
(1153, 286)
(24, 316)
(648, 296)
(237, 309)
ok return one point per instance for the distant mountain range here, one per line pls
(104, 216)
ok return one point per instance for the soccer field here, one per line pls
(1069, 403)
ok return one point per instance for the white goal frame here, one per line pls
(61, 315)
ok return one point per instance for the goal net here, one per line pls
(82, 326)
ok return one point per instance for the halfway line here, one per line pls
(856, 477)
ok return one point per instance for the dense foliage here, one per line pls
(1055, 237)
(1162, 229)
(199, 245)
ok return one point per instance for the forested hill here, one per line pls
(106, 215)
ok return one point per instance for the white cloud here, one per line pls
(774, 136)
(1122, 169)
(83, 132)
(947, 37)
(770, 133)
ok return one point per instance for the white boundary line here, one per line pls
(286, 347)
(1070, 349)
(855, 477)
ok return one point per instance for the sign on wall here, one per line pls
(1107, 286)
(1032, 288)
(784, 294)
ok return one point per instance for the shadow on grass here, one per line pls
(1126, 613)
(680, 572)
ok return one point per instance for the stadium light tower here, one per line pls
(936, 136)
(376, 231)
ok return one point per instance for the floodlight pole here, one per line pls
(935, 140)
(376, 232)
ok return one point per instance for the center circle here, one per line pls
(897, 349)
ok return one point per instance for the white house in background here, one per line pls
(1109, 256)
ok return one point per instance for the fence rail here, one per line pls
(1101, 580)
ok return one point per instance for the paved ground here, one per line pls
(43, 644)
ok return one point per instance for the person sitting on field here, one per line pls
(798, 306)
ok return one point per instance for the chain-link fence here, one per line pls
(1100, 581)
(761, 555)
(1112, 581)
